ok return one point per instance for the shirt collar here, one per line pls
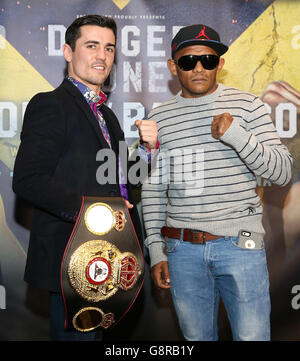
(90, 95)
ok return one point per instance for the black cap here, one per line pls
(198, 35)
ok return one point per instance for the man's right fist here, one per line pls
(160, 274)
(148, 133)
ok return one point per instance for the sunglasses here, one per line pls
(188, 62)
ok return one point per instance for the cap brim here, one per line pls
(218, 47)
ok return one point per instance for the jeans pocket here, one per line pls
(234, 242)
(172, 243)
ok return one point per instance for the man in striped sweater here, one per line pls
(214, 143)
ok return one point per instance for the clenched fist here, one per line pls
(220, 124)
(148, 132)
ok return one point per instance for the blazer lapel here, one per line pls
(111, 129)
(83, 105)
(93, 121)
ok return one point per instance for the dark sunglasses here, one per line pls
(188, 62)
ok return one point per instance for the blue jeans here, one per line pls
(201, 273)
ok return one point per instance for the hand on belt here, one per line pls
(188, 235)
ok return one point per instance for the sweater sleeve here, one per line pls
(154, 203)
(259, 145)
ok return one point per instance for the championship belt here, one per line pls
(102, 270)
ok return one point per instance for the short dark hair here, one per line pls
(73, 31)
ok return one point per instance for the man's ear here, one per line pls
(67, 51)
(221, 64)
(172, 67)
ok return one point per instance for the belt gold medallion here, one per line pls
(103, 266)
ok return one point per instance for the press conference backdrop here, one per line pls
(263, 58)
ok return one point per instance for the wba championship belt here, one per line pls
(102, 269)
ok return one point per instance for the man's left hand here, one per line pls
(128, 204)
(148, 132)
(220, 124)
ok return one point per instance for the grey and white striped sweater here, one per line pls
(206, 184)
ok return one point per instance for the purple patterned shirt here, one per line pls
(95, 101)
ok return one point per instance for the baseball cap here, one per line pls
(198, 34)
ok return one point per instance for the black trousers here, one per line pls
(57, 319)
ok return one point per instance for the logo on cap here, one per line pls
(202, 34)
(174, 46)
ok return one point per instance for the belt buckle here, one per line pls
(195, 239)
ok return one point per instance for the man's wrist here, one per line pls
(150, 149)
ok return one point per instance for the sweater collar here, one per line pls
(200, 100)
